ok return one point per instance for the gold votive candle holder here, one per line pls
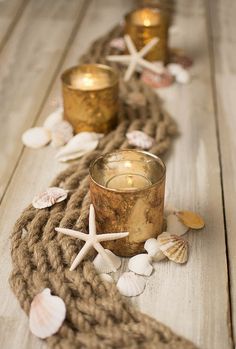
(143, 25)
(90, 97)
(127, 191)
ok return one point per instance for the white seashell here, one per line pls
(79, 145)
(130, 284)
(140, 264)
(47, 314)
(62, 132)
(49, 197)
(182, 77)
(106, 277)
(174, 68)
(152, 247)
(36, 137)
(54, 118)
(101, 266)
(140, 139)
(174, 247)
(118, 43)
(174, 226)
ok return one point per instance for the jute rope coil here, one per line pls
(97, 315)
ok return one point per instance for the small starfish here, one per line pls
(91, 240)
(136, 57)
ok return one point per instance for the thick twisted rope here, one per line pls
(97, 315)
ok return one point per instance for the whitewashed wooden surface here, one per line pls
(197, 300)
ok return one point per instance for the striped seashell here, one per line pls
(174, 247)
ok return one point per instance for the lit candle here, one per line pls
(127, 191)
(89, 82)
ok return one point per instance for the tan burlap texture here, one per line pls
(97, 315)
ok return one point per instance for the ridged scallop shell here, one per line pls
(191, 219)
(174, 247)
(49, 197)
(62, 132)
(140, 264)
(106, 277)
(152, 247)
(130, 284)
(36, 137)
(175, 226)
(53, 119)
(101, 266)
(118, 43)
(136, 99)
(47, 314)
(139, 139)
(79, 145)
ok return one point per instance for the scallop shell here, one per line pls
(136, 99)
(49, 197)
(130, 284)
(191, 219)
(152, 247)
(106, 277)
(36, 137)
(174, 247)
(102, 267)
(183, 77)
(140, 264)
(139, 139)
(79, 145)
(174, 68)
(47, 314)
(53, 119)
(118, 43)
(175, 226)
(157, 80)
(62, 132)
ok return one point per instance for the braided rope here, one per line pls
(97, 315)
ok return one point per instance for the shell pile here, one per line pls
(140, 139)
(47, 314)
(54, 130)
(49, 197)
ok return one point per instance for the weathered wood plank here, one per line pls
(39, 167)
(223, 34)
(10, 12)
(29, 61)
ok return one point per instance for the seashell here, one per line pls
(140, 264)
(152, 247)
(49, 197)
(62, 132)
(54, 118)
(182, 77)
(102, 267)
(136, 99)
(182, 59)
(130, 284)
(118, 43)
(36, 137)
(139, 139)
(79, 145)
(174, 247)
(191, 219)
(106, 277)
(47, 314)
(175, 226)
(174, 68)
(157, 80)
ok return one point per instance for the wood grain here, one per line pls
(10, 12)
(191, 299)
(29, 61)
(223, 35)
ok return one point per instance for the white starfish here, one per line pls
(136, 57)
(91, 240)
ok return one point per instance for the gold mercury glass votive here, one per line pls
(143, 25)
(90, 96)
(127, 191)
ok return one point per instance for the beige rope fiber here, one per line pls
(97, 315)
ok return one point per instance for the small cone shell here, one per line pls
(191, 219)
(174, 247)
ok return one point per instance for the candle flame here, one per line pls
(146, 22)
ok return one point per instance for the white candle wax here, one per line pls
(128, 182)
